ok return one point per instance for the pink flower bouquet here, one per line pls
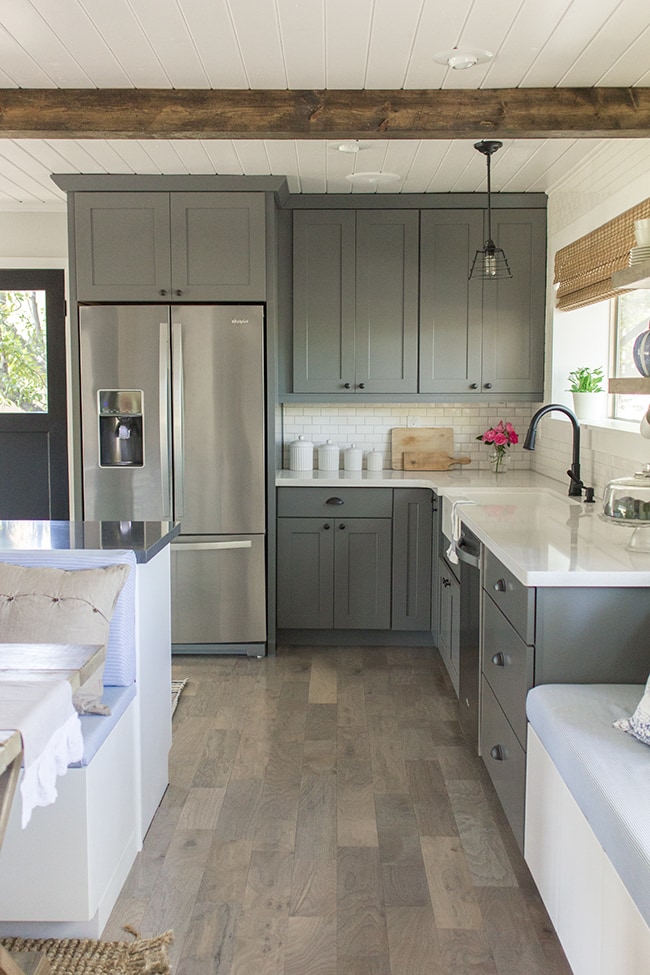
(500, 437)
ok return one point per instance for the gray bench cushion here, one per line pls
(606, 770)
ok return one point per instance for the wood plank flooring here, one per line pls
(326, 817)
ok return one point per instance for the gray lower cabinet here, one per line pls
(547, 635)
(355, 301)
(354, 558)
(148, 246)
(334, 574)
(476, 336)
(413, 534)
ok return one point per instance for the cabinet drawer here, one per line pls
(508, 666)
(334, 502)
(515, 600)
(505, 761)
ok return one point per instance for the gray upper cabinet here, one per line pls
(475, 336)
(187, 246)
(355, 301)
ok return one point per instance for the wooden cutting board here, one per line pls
(424, 460)
(428, 439)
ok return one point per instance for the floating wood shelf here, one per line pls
(637, 276)
(633, 384)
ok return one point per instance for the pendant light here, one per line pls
(491, 262)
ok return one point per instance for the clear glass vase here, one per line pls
(499, 460)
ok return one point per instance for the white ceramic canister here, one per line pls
(328, 456)
(353, 458)
(301, 455)
(375, 460)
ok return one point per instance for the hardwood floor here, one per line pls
(325, 817)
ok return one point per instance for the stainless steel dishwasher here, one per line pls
(468, 549)
(467, 572)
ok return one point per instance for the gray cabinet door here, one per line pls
(513, 308)
(362, 573)
(450, 304)
(486, 337)
(122, 246)
(355, 301)
(305, 573)
(412, 548)
(218, 249)
(158, 246)
(386, 331)
(323, 301)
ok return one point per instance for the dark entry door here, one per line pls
(33, 396)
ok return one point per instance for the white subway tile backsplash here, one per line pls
(370, 425)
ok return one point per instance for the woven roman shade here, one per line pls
(583, 269)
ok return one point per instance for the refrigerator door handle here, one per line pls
(179, 432)
(163, 406)
(204, 546)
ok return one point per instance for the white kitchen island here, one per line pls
(91, 835)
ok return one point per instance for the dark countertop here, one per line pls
(144, 538)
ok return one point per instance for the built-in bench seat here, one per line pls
(587, 834)
(61, 876)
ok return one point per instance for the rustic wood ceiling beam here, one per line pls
(518, 113)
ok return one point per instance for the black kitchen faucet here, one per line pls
(575, 483)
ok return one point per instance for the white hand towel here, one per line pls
(43, 713)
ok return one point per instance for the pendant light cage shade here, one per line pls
(490, 263)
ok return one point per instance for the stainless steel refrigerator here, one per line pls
(173, 428)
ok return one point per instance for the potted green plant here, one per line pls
(589, 395)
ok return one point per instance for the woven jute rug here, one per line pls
(177, 688)
(143, 956)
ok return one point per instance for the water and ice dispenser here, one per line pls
(120, 428)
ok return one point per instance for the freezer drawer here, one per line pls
(218, 592)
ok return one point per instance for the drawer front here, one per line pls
(335, 502)
(505, 761)
(515, 600)
(508, 666)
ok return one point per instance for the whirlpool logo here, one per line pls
(239, 321)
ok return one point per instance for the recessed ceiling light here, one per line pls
(366, 179)
(460, 60)
(350, 147)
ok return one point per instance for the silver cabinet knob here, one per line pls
(498, 753)
(500, 585)
(499, 660)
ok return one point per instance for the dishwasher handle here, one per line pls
(466, 555)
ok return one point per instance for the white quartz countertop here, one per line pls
(527, 520)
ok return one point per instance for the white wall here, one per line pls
(612, 180)
(33, 239)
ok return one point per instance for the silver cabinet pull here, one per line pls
(499, 660)
(211, 546)
(498, 753)
(335, 501)
(500, 585)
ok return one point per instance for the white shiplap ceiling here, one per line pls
(311, 44)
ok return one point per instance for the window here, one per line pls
(631, 316)
(23, 352)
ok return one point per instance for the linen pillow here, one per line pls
(639, 724)
(49, 605)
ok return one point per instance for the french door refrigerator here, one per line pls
(173, 428)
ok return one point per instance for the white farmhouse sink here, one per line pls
(517, 497)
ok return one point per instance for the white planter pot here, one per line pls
(590, 407)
